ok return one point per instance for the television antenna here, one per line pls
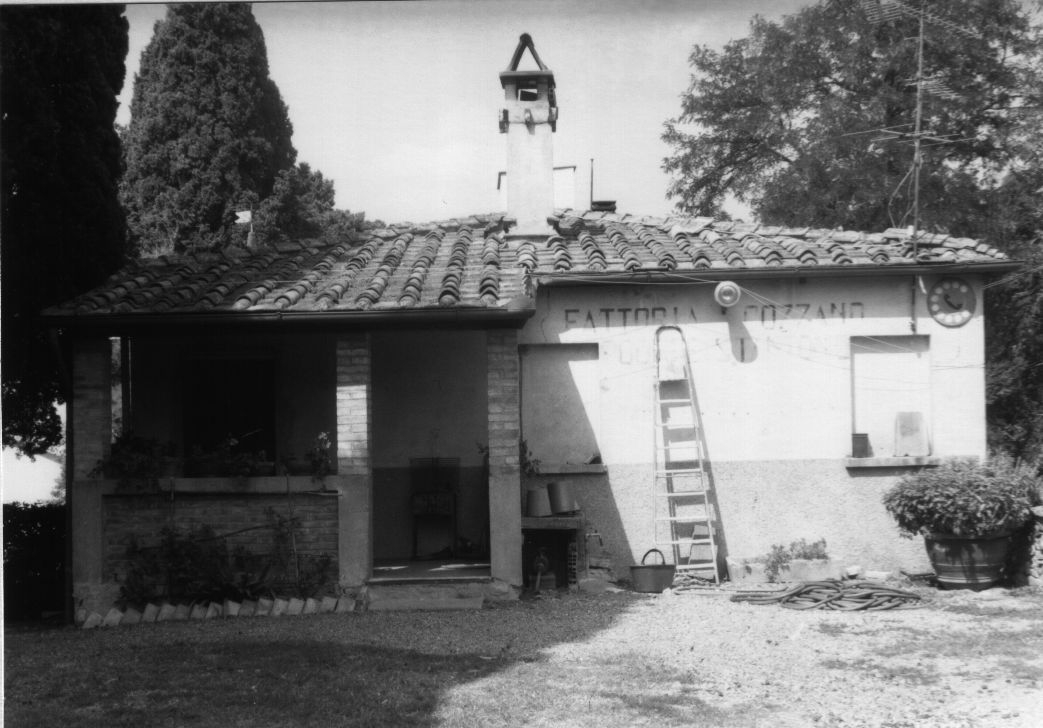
(880, 11)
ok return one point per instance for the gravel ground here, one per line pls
(964, 660)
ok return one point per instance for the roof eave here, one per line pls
(665, 276)
(286, 321)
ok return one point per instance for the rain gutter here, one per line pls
(152, 322)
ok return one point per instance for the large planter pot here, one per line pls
(967, 562)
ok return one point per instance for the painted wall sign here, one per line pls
(768, 314)
(596, 318)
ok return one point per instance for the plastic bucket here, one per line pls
(652, 578)
(561, 499)
(537, 505)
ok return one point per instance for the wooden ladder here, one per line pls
(684, 518)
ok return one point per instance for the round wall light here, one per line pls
(727, 294)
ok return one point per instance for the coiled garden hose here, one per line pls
(846, 596)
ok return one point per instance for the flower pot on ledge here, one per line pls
(796, 570)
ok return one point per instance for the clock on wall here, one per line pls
(951, 302)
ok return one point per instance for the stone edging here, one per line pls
(263, 607)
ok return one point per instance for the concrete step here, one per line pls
(425, 597)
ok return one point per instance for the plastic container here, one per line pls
(537, 504)
(652, 578)
(561, 498)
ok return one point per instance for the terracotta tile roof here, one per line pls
(470, 264)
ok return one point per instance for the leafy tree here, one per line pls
(63, 229)
(209, 133)
(784, 119)
(301, 206)
(1014, 310)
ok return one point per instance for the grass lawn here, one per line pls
(373, 669)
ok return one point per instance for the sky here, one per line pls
(397, 103)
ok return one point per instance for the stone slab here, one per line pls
(407, 604)
(150, 613)
(131, 616)
(112, 618)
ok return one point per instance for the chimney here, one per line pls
(529, 119)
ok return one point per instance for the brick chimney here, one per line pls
(529, 120)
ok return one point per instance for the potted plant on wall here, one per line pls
(967, 511)
(137, 463)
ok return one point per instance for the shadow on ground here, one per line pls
(372, 669)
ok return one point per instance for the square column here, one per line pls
(90, 440)
(505, 534)
(354, 458)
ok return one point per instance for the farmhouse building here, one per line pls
(499, 386)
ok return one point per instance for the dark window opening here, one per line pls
(230, 398)
(528, 93)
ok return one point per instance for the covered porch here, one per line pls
(401, 408)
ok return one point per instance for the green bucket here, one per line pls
(652, 578)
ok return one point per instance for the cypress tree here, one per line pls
(209, 132)
(61, 69)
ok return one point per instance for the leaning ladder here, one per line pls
(683, 514)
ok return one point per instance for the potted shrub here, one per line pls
(966, 511)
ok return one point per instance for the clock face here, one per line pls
(951, 302)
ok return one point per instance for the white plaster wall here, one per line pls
(773, 382)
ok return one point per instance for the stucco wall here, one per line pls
(774, 388)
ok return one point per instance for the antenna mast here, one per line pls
(917, 160)
(880, 11)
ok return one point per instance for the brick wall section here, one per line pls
(504, 474)
(145, 516)
(354, 457)
(92, 404)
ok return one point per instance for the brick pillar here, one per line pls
(91, 405)
(354, 459)
(505, 536)
(90, 425)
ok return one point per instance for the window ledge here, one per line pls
(572, 469)
(903, 462)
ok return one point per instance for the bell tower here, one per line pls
(529, 119)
